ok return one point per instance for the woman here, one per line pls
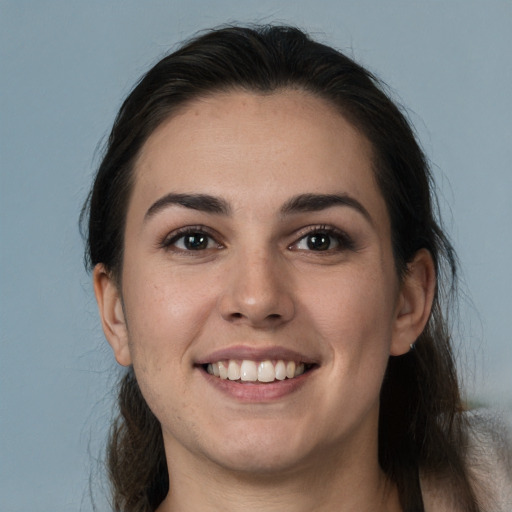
(268, 267)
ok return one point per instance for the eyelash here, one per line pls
(341, 238)
(169, 242)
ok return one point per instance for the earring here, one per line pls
(412, 346)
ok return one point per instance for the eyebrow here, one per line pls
(201, 202)
(297, 204)
(318, 202)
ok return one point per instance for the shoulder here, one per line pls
(489, 462)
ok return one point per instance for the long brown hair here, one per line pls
(421, 426)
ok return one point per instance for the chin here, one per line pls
(258, 462)
(264, 451)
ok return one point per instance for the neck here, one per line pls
(327, 482)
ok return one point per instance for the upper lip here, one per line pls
(241, 352)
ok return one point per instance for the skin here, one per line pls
(258, 284)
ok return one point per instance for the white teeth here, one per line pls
(223, 370)
(233, 370)
(248, 371)
(290, 369)
(266, 372)
(280, 370)
(252, 371)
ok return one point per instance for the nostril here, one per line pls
(260, 311)
(271, 317)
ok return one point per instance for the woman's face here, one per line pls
(257, 241)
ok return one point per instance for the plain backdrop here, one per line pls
(65, 68)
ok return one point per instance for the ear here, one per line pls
(414, 303)
(111, 312)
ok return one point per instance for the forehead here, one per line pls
(254, 146)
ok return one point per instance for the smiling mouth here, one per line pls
(256, 371)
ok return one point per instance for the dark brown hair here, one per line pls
(421, 426)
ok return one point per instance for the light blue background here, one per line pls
(65, 67)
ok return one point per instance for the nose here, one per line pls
(258, 292)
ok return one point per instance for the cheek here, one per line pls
(355, 305)
(164, 313)
(353, 315)
(164, 316)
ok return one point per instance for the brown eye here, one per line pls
(190, 240)
(195, 241)
(319, 242)
(324, 239)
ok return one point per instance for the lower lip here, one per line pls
(257, 391)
